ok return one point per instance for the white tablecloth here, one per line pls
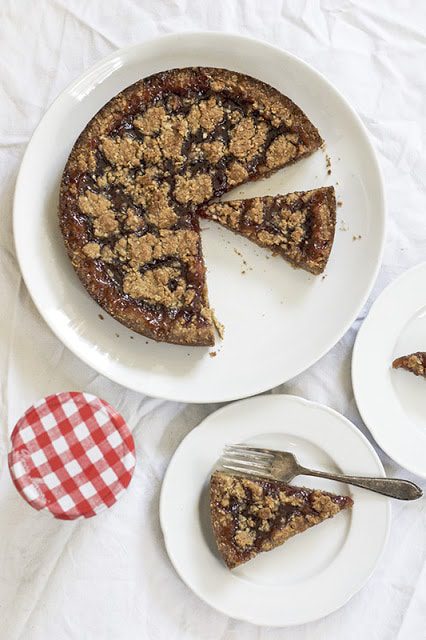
(110, 578)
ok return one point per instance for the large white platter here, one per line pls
(278, 320)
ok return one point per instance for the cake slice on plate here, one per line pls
(250, 515)
(298, 226)
(414, 362)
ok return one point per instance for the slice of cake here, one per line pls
(298, 226)
(414, 362)
(251, 515)
(139, 171)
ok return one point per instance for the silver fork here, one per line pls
(283, 466)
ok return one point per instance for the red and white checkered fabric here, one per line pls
(72, 454)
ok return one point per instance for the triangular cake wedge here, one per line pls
(414, 362)
(139, 171)
(298, 226)
(251, 515)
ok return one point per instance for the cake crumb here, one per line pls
(132, 338)
(212, 354)
(100, 316)
(343, 226)
(220, 328)
(339, 203)
(356, 237)
(117, 335)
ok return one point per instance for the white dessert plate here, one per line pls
(315, 572)
(392, 402)
(278, 321)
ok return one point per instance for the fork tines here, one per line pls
(248, 460)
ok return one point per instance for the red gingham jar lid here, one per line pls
(72, 455)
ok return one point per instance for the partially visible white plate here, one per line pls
(392, 402)
(314, 573)
(281, 319)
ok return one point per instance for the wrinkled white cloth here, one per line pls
(109, 577)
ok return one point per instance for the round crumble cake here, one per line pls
(140, 170)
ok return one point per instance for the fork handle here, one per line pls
(392, 487)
